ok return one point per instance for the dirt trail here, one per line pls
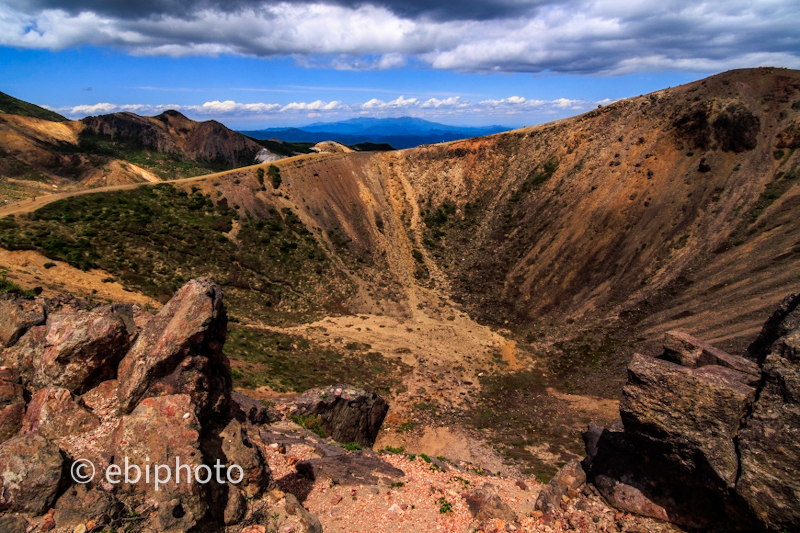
(26, 206)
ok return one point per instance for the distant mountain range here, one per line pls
(403, 132)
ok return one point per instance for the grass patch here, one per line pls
(407, 426)
(15, 106)
(155, 238)
(584, 352)
(773, 191)
(540, 175)
(10, 286)
(516, 413)
(311, 423)
(292, 363)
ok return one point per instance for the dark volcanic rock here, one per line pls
(769, 443)
(30, 473)
(347, 413)
(736, 129)
(625, 477)
(239, 450)
(179, 351)
(26, 354)
(231, 445)
(255, 411)
(17, 316)
(690, 416)
(350, 469)
(785, 319)
(683, 349)
(706, 444)
(170, 406)
(13, 524)
(80, 503)
(12, 404)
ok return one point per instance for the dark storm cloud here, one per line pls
(575, 36)
(440, 11)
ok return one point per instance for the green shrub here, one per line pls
(275, 176)
(351, 446)
(260, 176)
(398, 450)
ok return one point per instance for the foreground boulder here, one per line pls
(17, 316)
(53, 413)
(253, 410)
(231, 444)
(769, 442)
(180, 351)
(486, 507)
(568, 479)
(74, 350)
(30, 473)
(12, 404)
(691, 416)
(350, 469)
(161, 431)
(708, 438)
(347, 414)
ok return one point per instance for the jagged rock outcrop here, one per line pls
(253, 410)
(133, 394)
(690, 416)
(180, 351)
(769, 441)
(348, 414)
(161, 431)
(708, 437)
(486, 506)
(230, 444)
(172, 132)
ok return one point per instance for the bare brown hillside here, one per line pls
(172, 133)
(674, 209)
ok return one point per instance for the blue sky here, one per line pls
(255, 63)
